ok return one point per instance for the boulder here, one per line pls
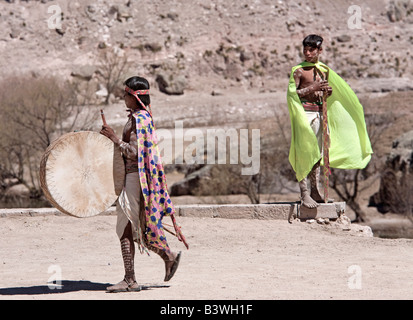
(85, 72)
(396, 189)
(171, 84)
(15, 33)
(18, 190)
(399, 10)
(210, 180)
(191, 183)
(344, 38)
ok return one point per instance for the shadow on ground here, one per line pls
(64, 287)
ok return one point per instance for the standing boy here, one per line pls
(349, 144)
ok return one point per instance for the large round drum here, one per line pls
(82, 173)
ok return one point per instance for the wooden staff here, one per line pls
(103, 117)
(179, 232)
(326, 143)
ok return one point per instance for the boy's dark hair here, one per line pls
(139, 83)
(313, 41)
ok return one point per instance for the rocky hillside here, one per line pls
(207, 45)
(222, 63)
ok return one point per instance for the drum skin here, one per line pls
(82, 173)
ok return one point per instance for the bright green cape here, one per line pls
(350, 146)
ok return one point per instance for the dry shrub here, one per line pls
(113, 67)
(34, 112)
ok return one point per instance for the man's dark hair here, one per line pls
(139, 83)
(313, 41)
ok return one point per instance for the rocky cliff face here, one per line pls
(207, 45)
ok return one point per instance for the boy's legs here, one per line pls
(126, 233)
(171, 259)
(128, 255)
(311, 199)
(314, 183)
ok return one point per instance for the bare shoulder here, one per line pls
(298, 72)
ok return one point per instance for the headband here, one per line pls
(139, 93)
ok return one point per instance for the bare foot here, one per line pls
(308, 202)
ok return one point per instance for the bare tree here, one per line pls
(347, 186)
(33, 112)
(274, 162)
(348, 183)
(112, 69)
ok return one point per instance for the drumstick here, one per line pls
(103, 117)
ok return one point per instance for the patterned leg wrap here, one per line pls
(315, 177)
(163, 254)
(128, 254)
(303, 187)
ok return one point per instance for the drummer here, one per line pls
(144, 200)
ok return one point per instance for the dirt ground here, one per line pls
(227, 259)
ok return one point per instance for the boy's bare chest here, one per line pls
(130, 125)
(308, 77)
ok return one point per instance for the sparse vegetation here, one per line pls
(113, 66)
(34, 112)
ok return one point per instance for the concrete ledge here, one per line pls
(240, 211)
(33, 212)
(280, 210)
(324, 210)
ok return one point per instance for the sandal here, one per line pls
(174, 267)
(124, 286)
